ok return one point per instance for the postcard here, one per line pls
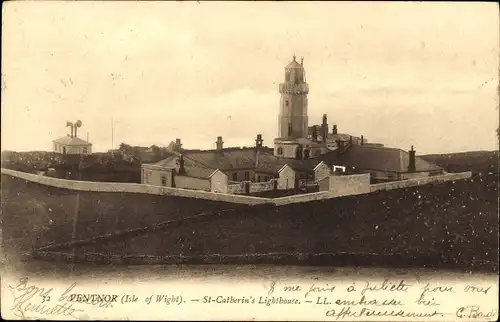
(252, 160)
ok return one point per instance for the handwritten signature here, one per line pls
(36, 301)
(475, 312)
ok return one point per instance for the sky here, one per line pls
(401, 74)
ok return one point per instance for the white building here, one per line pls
(72, 145)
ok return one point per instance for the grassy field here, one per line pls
(450, 224)
(477, 162)
(36, 215)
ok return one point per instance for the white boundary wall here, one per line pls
(420, 181)
(225, 197)
(134, 188)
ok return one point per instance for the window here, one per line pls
(306, 154)
(64, 150)
(235, 176)
(287, 103)
(163, 180)
(85, 150)
(247, 176)
(280, 151)
(287, 75)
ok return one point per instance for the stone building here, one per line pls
(301, 153)
(293, 141)
(382, 163)
(195, 169)
(296, 139)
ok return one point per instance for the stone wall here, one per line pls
(236, 188)
(134, 188)
(413, 175)
(186, 182)
(324, 184)
(262, 186)
(302, 198)
(349, 184)
(338, 186)
(239, 188)
(420, 181)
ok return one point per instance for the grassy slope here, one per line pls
(35, 214)
(458, 220)
(478, 161)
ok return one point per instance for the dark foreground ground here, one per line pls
(450, 225)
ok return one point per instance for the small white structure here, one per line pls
(338, 168)
(71, 144)
(286, 179)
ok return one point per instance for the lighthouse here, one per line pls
(293, 120)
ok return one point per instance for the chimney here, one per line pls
(178, 144)
(258, 141)
(182, 170)
(324, 128)
(334, 129)
(340, 147)
(411, 163)
(219, 143)
(290, 130)
(362, 140)
(315, 133)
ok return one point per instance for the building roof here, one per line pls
(262, 160)
(169, 162)
(192, 168)
(198, 172)
(377, 158)
(74, 141)
(294, 64)
(272, 164)
(226, 159)
(201, 164)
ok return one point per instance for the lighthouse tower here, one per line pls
(293, 121)
(292, 141)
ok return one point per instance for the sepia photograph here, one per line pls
(250, 153)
